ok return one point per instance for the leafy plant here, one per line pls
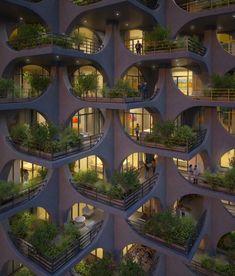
(37, 82)
(23, 271)
(8, 189)
(82, 268)
(85, 84)
(184, 135)
(102, 267)
(7, 88)
(130, 268)
(158, 33)
(121, 89)
(20, 134)
(229, 179)
(86, 177)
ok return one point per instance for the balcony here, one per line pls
(195, 6)
(12, 198)
(52, 264)
(215, 94)
(167, 46)
(184, 145)
(166, 229)
(114, 196)
(41, 140)
(83, 44)
(219, 182)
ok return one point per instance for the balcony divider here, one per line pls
(53, 264)
(122, 204)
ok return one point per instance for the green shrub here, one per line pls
(184, 135)
(130, 268)
(38, 83)
(86, 177)
(21, 224)
(20, 134)
(82, 268)
(229, 179)
(23, 271)
(7, 88)
(121, 89)
(158, 33)
(8, 189)
(85, 83)
(171, 228)
(42, 235)
(213, 179)
(223, 81)
(69, 139)
(208, 263)
(102, 267)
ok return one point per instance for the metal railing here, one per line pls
(215, 94)
(17, 199)
(205, 185)
(84, 2)
(196, 267)
(24, 95)
(122, 204)
(87, 45)
(96, 96)
(183, 248)
(153, 47)
(175, 146)
(229, 46)
(87, 143)
(199, 5)
(53, 264)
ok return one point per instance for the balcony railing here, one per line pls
(23, 196)
(183, 249)
(154, 47)
(97, 96)
(215, 94)
(88, 45)
(200, 5)
(87, 143)
(24, 96)
(196, 267)
(201, 183)
(229, 46)
(122, 204)
(84, 2)
(187, 148)
(53, 264)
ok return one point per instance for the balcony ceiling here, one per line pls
(222, 23)
(129, 17)
(13, 12)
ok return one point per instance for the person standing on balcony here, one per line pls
(190, 172)
(195, 174)
(137, 131)
(144, 90)
(138, 47)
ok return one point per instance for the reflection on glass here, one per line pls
(183, 165)
(227, 118)
(227, 158)
(134, 77)
(137, 116)
(87, 121)
(91, 162)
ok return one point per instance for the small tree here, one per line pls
(130, 268)
(158, 33)
(7, 88)
(85, 83)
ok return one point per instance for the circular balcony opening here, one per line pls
(187, 81)
(87, 82)
(227, 41)
(27, 35)
(26, 83)
(24, 181)
(87, 40)
(225, 250)
(87, 122)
